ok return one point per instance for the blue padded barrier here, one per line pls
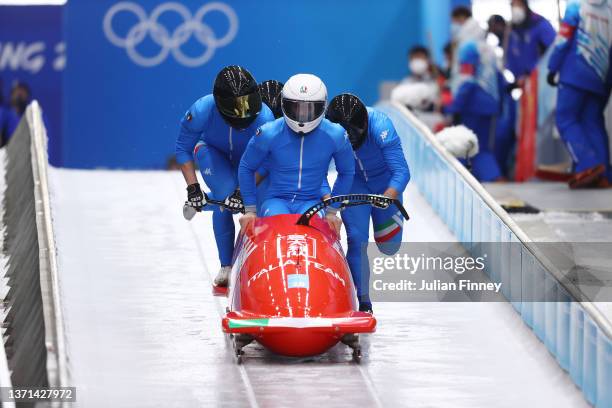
(575, 333)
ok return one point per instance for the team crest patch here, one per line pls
(383, 134)
(258, 132)
(188, 116)
(303, 89)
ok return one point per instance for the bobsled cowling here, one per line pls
(291, 288)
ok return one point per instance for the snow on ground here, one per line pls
(144, 330)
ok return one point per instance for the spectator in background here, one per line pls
(420, 91)
(445, 70)
(476, 90)
(19, 99)
(530, 36)
(497, 26)
(446, 95)
(581, 58)
(464, 27)
(421, 68)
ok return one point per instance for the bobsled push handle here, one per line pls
(351, 200)
(189, 212)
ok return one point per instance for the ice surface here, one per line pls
(143, 328)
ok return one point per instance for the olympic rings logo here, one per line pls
(192, 25)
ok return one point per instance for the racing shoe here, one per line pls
(366, 307)
(589, 178)
(223, 276)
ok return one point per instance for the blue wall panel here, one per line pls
(122, 114)
(32, 51)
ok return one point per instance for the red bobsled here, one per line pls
(291, 288)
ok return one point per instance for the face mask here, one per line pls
(518, 15)
(418, 66)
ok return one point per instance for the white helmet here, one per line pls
(304, 99)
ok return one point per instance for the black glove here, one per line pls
(234, 202)
(551, 78)
(381, 202)
(195, 197)
(511, 87)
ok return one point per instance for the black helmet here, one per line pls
(270, 91)
(237, 96)
(351, 113)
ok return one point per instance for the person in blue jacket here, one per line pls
(10, 116)
(581, 58)
(297, 150)
(476, 102)
(529, 38)
(380, 168)
(215, 132)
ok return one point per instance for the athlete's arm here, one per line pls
(191, 127)
(345, 166)
(391, 147)
(252, 159)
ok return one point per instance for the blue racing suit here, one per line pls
(477, 102)
(297, 166)
(582, 57)
(379, 164)
(218, 148)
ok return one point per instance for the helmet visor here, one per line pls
(240, 107)
(303, 111)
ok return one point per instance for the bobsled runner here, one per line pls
(291, 288)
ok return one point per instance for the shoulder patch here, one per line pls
(383, 134)
(188, 116)
(258, 131)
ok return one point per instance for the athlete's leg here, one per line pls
(388, 228)
(595, 124)
(274, 206)
(300, 207)
(571, 103)
(357, 223)
(220, 178)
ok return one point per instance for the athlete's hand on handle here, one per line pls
(195, 197)
(334, 221)
(381, 203)
(234, 202)
(246, 221)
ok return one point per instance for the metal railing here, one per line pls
(575, 332)
(34, 336)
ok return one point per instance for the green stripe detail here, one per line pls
(238, 323)
(384, 225)
(386, 231)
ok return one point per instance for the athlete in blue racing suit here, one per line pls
(298, 150)
(380, 168)
(582, 58)
(215, 131)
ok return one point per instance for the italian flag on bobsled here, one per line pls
(291, 288)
